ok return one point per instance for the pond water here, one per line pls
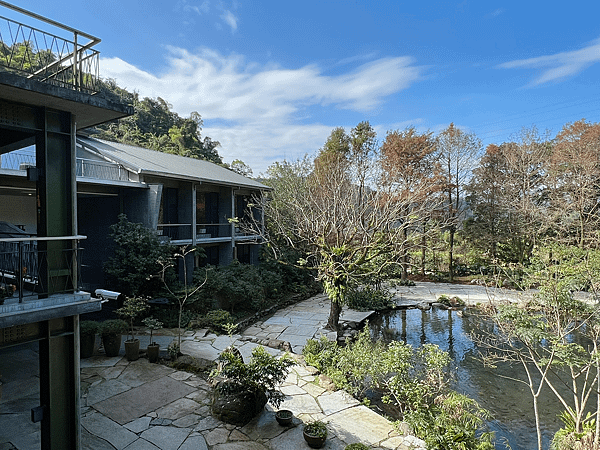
(509, 402)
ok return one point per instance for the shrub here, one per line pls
(136, 255)
(415, 381)
(451, 302)
(263, 373)
(217, 320)
(370, 298)
(88, 327)
(113, 326)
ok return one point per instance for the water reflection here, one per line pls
(509, 401)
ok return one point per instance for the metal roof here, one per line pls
(152, 162)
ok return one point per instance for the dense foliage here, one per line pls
(155, 126)
(414, 381)
(137, 251)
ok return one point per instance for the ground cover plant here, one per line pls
(414, 381)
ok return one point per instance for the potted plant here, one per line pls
(132, 307)
(284, 417)
(357, 446)
(111, 332)
(243, 389)
(315, 433)
(87, 338)
(153, 348)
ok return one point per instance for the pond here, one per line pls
(509, 402)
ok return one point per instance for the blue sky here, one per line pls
(271, 79)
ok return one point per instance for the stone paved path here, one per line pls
(142, 406)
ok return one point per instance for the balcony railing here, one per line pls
(28, 271)
(101, 170)
(33, 53)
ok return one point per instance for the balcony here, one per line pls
(39, 279)
(67, 61)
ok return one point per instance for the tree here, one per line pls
(409, 161)
(458, 152)
(239, 166)
(340, 211)
(137, 250)
(574, 171)
(153, 125)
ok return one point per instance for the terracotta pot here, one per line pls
(112, 344)
(284, 417)
(132, 349)
(153, 352)
(314, 441)
(87, 345)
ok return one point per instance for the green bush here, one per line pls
(415, 381)
(263, 373)
(217, 320)
(88, 327)
(113, 326)
(370, 298)
(137, 251)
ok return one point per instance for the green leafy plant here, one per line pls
(132, 308)
(356, 446)
(136, 252)
(263, 373)
(316, 428)
(152, 324)
(113, 326)
(88, 327)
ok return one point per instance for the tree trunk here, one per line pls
(450, 255)
(334, 316)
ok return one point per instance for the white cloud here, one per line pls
(203, 8)
(265, 107)
(560, 65)
(230, 19)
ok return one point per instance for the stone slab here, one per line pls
(196, 442)
(141, 444)
(344, 426)
(200, 349)
(337, 401)
(166, 438)
(102, 427)
(137, 402)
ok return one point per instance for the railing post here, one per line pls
(75, 64)
(20, 271)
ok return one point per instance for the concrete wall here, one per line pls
(19, 210)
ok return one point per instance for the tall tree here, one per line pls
(341, 211)
(154, 125)
(458, 153)
(409, 161)
(574, 174)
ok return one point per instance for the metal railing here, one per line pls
(101, 170)
(33, 53)
(28, 271)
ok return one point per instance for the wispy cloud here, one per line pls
(230, 19)
(497, 12)
(265, 107)
(199, 9)
(560, 65)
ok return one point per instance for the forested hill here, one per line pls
(155, 126)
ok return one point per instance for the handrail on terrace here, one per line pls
(22, 264)
(44, 56)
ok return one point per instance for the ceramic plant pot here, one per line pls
(112, 344)
(284, 417)
(314, 441)
(153, 352)
(132, 349)
(87, 345)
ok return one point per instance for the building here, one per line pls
(47, 93)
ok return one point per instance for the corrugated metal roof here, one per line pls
(152, 162)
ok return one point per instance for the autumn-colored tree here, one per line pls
(458, 153)
(408, 161)
(574, 174)
(341, 212)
